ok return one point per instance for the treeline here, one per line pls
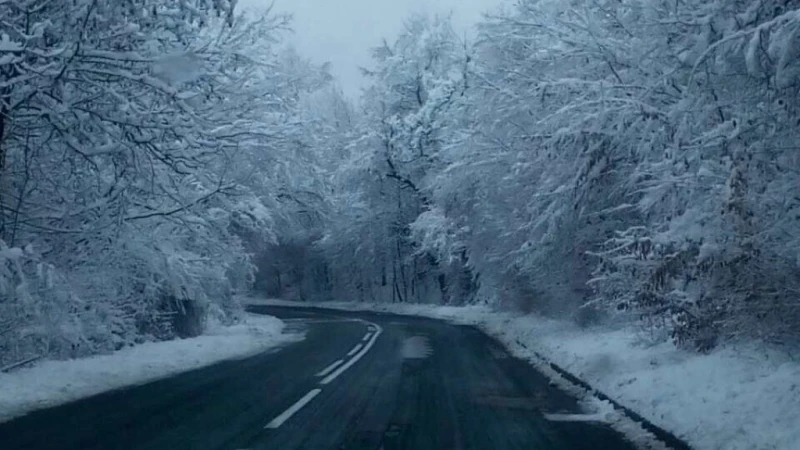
(634, 157)
(627, 158)
(145, 146)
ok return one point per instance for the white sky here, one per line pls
(342, 31)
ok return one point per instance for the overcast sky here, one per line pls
(343, 31)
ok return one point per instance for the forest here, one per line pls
(605, 160)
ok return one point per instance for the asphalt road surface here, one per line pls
(357, 381)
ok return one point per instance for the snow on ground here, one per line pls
(736, 398)
(52, 383)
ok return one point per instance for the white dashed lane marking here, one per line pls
(355, 350)
(354, 359)
(330, 368)
(286, 415)
(330, 373)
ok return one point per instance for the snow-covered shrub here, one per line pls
(41, 316)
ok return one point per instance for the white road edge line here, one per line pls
(354, 359)
(286, 415)
(366, 337)
(330, 368)
(355, 350)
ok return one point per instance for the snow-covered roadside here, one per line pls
(52, 383)
(731, 399)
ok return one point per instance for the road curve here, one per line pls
(358, 381)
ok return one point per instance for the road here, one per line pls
(358, 381)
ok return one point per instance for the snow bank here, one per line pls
(731, 399)
(744, 398)
(52, 383)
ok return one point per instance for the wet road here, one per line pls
(357, 381)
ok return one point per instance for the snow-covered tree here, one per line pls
(408, 108)
(129, 130)
(630, 155)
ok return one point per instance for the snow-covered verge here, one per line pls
(735, 398)
(52, 383)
